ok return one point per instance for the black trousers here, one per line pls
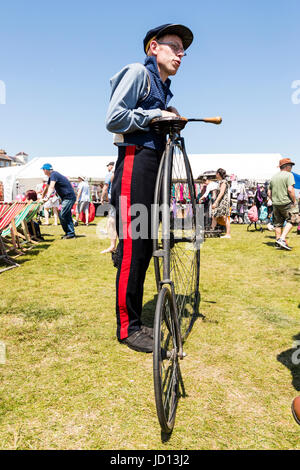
(133, 184)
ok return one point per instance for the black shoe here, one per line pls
(66, 237)
(75, 223)
(147, 330)
(139, 341)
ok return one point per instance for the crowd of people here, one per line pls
(274, 203)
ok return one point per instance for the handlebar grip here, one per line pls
(213, 120)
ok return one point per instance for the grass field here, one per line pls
(68, 384)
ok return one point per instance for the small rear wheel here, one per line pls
(165, 361)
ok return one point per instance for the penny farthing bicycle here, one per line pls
(177, 235)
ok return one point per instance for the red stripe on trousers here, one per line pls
(127, 239)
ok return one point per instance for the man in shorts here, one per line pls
(139, 94)
(285, 207)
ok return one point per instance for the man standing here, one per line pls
(106, 193)
(82, 200)
(64, 189)
(285, 208)
(139, 94)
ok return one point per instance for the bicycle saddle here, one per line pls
(164, 125)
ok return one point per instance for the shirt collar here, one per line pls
(151, 64)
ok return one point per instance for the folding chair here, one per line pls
(7, 214)
(19, 220)
(4, 208)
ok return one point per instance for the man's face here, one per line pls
(110, 167)
(47, 172)
(168, 56)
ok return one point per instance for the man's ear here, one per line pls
(153, 47)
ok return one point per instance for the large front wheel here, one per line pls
(178, 233)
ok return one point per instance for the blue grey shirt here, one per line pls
(62, 186)
(128, 87)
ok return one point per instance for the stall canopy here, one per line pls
(297, 180)
(257, 167)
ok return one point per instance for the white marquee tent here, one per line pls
(252, 166)
(19, 179)
(16, 180)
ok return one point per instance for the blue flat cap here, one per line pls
(183, 32)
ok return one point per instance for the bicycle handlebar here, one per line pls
(165, 125)
(213, 120)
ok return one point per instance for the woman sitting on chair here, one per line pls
(31, 195)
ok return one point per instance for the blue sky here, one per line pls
(56, 59)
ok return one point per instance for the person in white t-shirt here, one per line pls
(211, 186)
(83, 200)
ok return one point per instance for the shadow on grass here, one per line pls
(272, 244)
(34, 251)
(291, 359)
(149, 312)
(34, 312)
(90, 224)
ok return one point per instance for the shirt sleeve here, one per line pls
(291, 179)
(206, 191)
(128, 87)
(210, 187)
(107, 178)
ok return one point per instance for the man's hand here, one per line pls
(171, 109)
(295, 207)
(168, 114)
